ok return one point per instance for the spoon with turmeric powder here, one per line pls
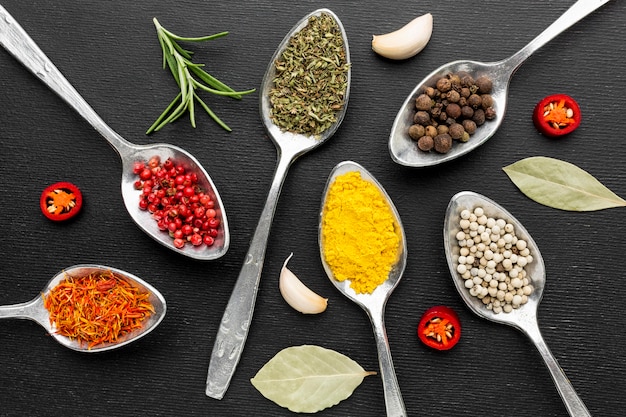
(405, 151)
(363, 250)
(93, 308)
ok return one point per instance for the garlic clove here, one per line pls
(407, 41)
(298, 295)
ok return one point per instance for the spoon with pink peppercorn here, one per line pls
(404, 149)
(17, 42)
(522, 308)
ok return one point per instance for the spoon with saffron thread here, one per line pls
(17, 42)
(404, 150)
(374, 303)
(36, 311)
(235, 323)
(523, 318)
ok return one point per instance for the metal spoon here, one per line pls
(35, 310)
(15, 40)
(374, 303)
(233, 331)
(403, 149)
(523, 318)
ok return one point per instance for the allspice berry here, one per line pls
(423, 102)
(453, 110)
(479, 117)
(444, 85)
(456, 131)
(443, 143)
(487, 101)
(416, 131)
(453, 96)
(425, 143)
(421, 118)
(467, 112)
(469, 126)
(475, 101)
(431, 131)
(484, 84)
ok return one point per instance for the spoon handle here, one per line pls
(19, 44)
(574, 404)
(32, 310)
(393, 397)
(233, 330)
(576, 12)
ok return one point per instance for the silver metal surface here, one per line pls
(523, 318)
(15, 40)
(374, 303)
(233, 330)
(35, 310)
(403, 149)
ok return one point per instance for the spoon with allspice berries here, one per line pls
(494, 81)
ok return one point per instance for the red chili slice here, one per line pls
(439, 328)
(61, 201)
(557, 115)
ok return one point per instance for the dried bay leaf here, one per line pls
(561, 185)
(307, 379)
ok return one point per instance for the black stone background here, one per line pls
(109, 51)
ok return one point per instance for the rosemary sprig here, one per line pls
(190, 77)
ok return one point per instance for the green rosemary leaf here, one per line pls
(174, 114)
(184, 52)
(171, 63)
(234, 94)
(561, 185)
(210, 80)
(212, 114)
(163, 115)
(197, 39)
(178, 60)
(192, 116)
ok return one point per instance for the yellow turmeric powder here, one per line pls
(361, 241)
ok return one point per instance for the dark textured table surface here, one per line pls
(109, 51)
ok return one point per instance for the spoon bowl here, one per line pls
(233, 330)
(17, 42)
(404, 150)
(523, 318)
(374, 303)
(35, 310)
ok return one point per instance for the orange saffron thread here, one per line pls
(97, 308)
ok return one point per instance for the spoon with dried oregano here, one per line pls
(304, 96)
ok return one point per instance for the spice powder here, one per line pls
(361, 240)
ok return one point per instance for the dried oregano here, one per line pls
(311, 78)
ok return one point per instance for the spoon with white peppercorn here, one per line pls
(522, 316)
(403, 148)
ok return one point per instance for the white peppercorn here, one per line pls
(492, 260)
